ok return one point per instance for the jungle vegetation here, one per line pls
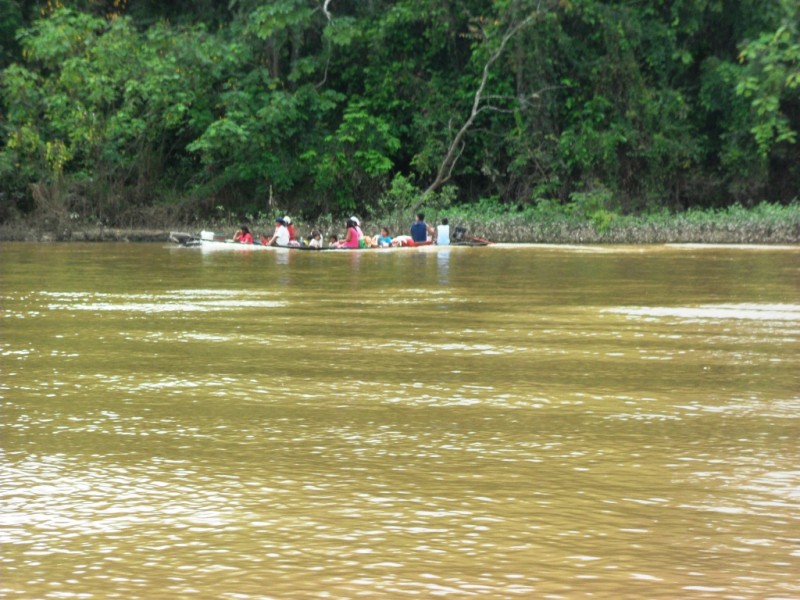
(127, 113)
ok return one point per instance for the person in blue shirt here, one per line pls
(384, 240)
(420, 229)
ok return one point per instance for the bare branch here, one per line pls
(328, 16)
(324, 74)
(490, 107)
(456, 148)
(453, 164)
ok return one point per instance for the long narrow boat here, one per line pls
(208, 240)
(214, 241)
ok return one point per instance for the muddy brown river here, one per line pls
(498, 422)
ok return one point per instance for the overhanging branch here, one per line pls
(457, 144)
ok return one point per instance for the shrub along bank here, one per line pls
(545, 223)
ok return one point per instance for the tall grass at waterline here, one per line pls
(765, 223)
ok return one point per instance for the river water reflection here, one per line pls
(539, 422)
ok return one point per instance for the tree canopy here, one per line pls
(331, 106)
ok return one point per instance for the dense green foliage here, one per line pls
(117, 113)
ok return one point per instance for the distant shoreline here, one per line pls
(765, 224)
(708, 238)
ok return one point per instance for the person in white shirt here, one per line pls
(443, 233)
(280, 237)
(316, 240)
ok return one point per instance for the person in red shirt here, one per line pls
(243, 236)
(293, 240)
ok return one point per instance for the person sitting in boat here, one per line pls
(243, 236)
(293, 239)
(351, 240)
(315, 241)
(363, 241)
(280, 237)
(357, 224)
(420, 230)
(333, 241)
(384, 240)
(443, 233)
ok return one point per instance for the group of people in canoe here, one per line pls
(286, 234)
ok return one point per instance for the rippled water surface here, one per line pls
(538, 422)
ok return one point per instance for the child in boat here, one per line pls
(333, 241)
(315, 241)
(384, 240)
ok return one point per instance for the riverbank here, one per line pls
(83, 234)
(765, 224)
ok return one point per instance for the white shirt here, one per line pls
(443, 235)
(282, 236)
